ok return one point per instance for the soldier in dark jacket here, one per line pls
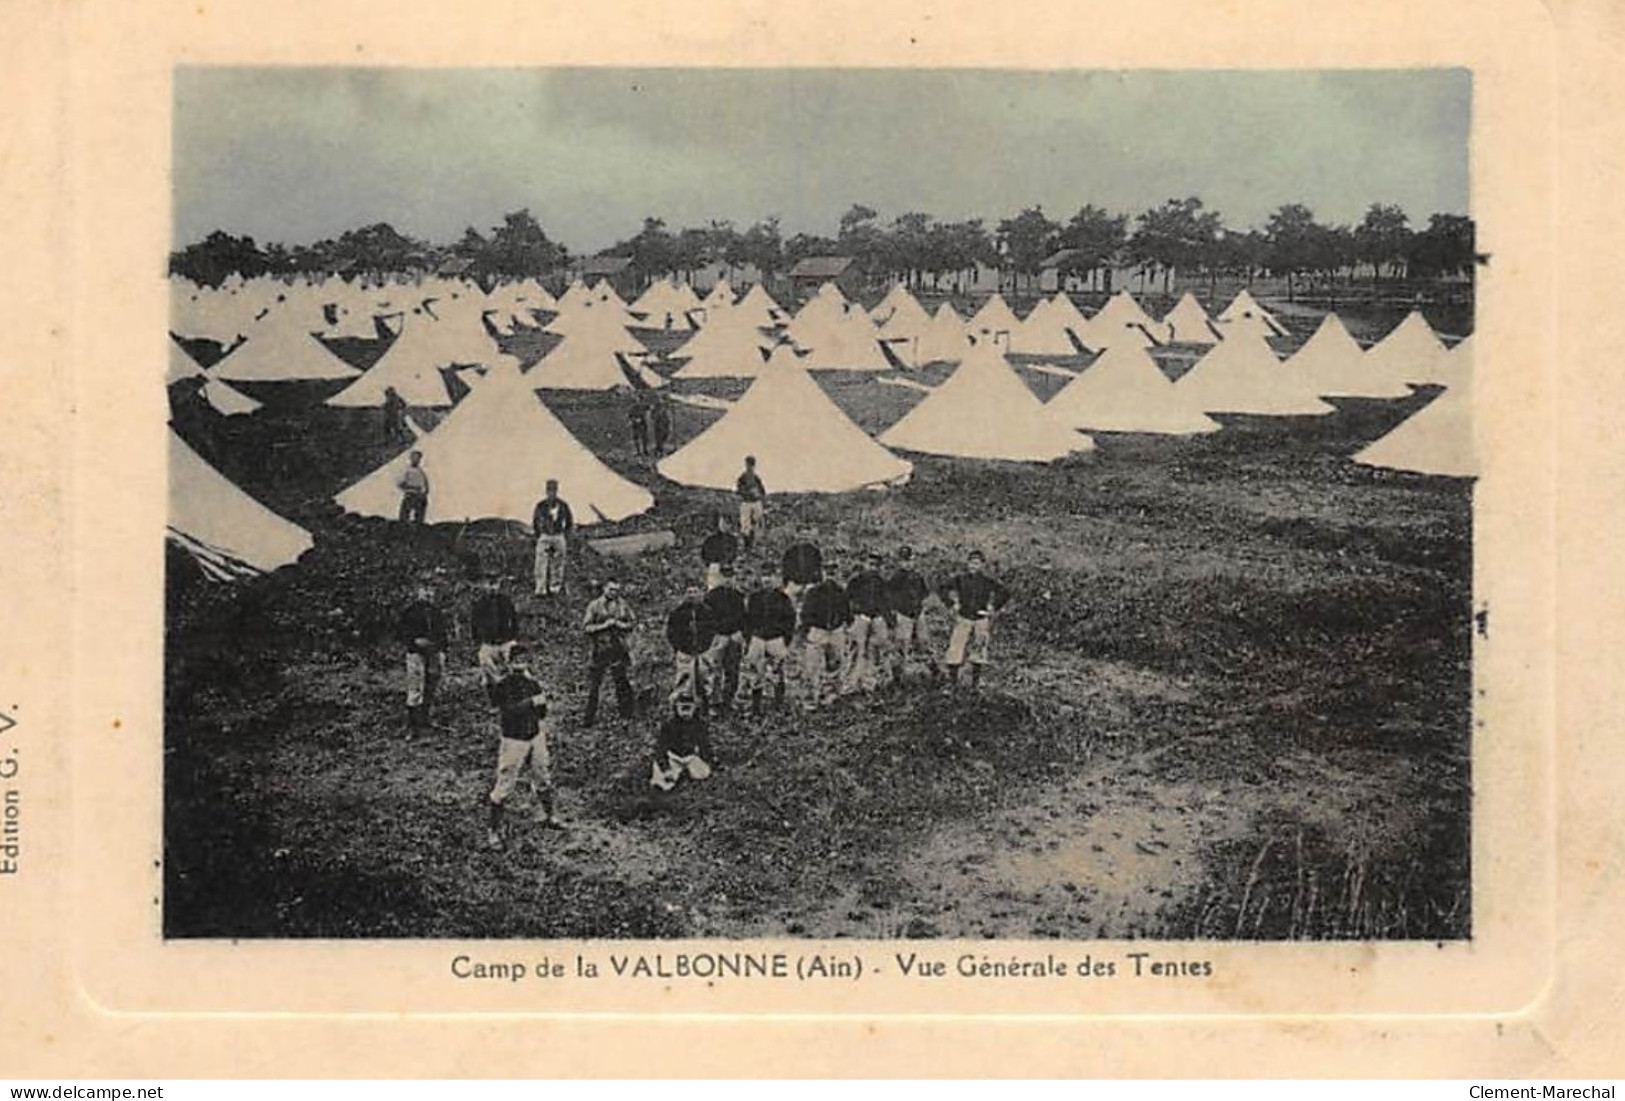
(494, 625)
(906, 591)
(866, 635)
(975, 599)
(718, 549)
(422, 628)
(824, 616)
(770, 624)
(690, 632)
(727, 607)
(803, 566)
(660, 421)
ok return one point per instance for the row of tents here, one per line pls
(802, 439)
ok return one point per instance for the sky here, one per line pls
(298, 154)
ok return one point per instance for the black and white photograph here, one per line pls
(888, 504)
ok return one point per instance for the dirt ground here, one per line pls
(1231, 698)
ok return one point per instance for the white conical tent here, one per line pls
(985, 411)
(899, 314)
(596, 343)
(1455, 367)
(759, 306)
(662, 307)
(1242, 375)
(802, 441)
(945, 340)
(1043, 332)
(817, 314)
(1336, 366)
(412, 365)
(721, 296)
(1120, 320)
(281, 355)
(224, 398)
(1410, 353)
(1244, 314)
(847, 341)
(1125, 391)
(1188, 322)
(491, 458)
(995, 316)
(730, 347)
(228, 532)
(1436, 439)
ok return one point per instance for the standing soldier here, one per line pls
(522, 744)
(906, 591)
(607, 622)
(866, 634)
(803, 566)
(494, 624)
(752, 502)
(414, 486)
(552, 523)
(422, 628)
(660, 421)
(638, 416)
(689, 630)
(394, 407)
(974, 598)
(717, 551)
(824, 615)
(770, 624)
(727, 609)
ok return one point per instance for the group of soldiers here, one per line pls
(742, 637)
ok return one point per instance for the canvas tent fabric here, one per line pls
(1125, 391)
(1044, 332)
(1120, 320)
(491, 458)
(945, 340)
(1411, 352)
(226, 531)
(1336, 366)
(281, 356)
(1188, 323)
(412, 365)
(847, 341)
(1436, 439)
(1245, 315)
(985, 411)
(802, 441)
(994, 316)
(222, 397)
(1242, 375)
(729, 347)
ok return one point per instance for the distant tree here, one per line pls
(803, 245)
(1179, 234)
(691, 250)
(211, 261)
(521, 248)
(762, 247)
(1096, 236)
(960, 246)
(1291, 235)
(1383, 240)
(1446, 247)
(909, 248)
(859, 236)
(653, 251)
(1026, 240)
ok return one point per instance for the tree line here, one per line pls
(1180, 235)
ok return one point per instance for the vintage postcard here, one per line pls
(1022, 531)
